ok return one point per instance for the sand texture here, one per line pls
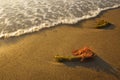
(31, 56)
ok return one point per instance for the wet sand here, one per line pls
(31, 56)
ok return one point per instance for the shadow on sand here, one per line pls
(110, 27)
(96, 64)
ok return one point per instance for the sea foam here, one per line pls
(18, 17)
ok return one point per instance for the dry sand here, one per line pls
(31, 56)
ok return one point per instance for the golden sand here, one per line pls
(31, 56)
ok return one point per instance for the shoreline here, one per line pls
(30, 56)
(35, 29)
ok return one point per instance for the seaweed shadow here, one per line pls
(96, 64)
(110, 27)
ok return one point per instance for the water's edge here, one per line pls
(37, 28)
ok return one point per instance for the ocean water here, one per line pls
(18, 17)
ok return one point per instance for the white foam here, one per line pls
(37, 28)
(68, 20)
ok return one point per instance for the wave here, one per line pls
(49, 22)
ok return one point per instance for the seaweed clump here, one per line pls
(78, 55)
(102, 24)
(59, 58)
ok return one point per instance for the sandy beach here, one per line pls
(31, 56)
